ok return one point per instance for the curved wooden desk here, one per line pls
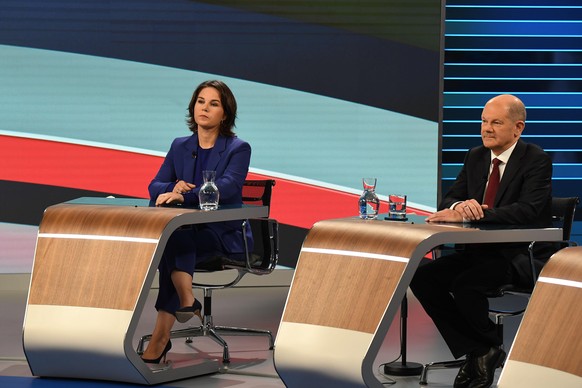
(350, 279)
(92, 271)
(547, 351)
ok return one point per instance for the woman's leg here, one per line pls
(160, 335)
(175, 271)
(191, 248)
(175, 280)
(175, 288)
(182, 282)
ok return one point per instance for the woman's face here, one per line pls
(208, 110)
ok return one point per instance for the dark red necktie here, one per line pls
(493, 184)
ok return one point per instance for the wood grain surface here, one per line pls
(549, 334)
(350, 291)
(83, 264)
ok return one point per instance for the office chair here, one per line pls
(262, 260)
(563, 210)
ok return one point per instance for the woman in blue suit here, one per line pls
(213, 146)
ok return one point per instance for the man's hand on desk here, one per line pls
(445, 215)
(169, 199)
(465, 211)
(471, 210)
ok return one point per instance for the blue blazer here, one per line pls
(230, 158)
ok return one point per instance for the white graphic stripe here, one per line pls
(355, 253)
(561, 282)
(98, 237)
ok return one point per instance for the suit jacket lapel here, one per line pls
(216, 153)
(191, 147)
(482, 171)
(511, 169)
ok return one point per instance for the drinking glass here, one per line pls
(397, 206)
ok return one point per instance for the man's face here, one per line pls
(498, 130)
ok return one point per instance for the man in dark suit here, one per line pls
(452, 288)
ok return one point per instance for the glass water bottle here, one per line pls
(208, 194)
(369, 202)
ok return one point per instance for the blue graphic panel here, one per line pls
(530, 48)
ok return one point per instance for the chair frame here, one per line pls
(563, 211)
(267, 264)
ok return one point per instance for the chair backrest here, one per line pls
(563, 210)
(257, 191)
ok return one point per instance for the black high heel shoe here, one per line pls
(184, 314)
(163, 355)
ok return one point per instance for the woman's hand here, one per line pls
(169, 199)
(183, 187)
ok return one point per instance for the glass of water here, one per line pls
(397, 206)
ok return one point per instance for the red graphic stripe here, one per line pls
(302, 205)
(115, 172)
(77, 166)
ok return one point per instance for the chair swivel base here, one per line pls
(212, 333)
(438, 365)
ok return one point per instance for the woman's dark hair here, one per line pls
(228, 104)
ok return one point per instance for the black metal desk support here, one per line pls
(402, 367)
